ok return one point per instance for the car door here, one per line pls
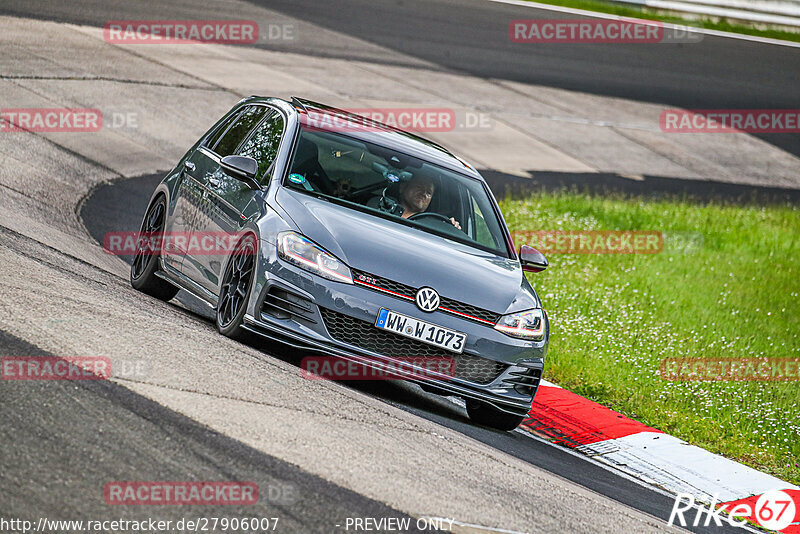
(191, 197)
(232, 202)
(208, 173)
(188, 203)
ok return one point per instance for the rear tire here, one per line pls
(145, 261)
(234, 293)
(487, 415)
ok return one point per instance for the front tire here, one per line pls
(487, 415)
(145, 261)
(235, 290)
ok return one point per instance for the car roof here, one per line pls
(366, 129)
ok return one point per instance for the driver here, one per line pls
(416, 195)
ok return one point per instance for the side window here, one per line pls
(263, 144)
(212, 141)
(239, 130)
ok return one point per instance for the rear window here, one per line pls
(240, 126)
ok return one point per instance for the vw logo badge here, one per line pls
(427, 299)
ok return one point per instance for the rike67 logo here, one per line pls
(774, 510)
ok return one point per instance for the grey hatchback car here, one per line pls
(354, 241)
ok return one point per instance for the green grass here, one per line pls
(666, 16)
(615, 316)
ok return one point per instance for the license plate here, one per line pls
(421, 330)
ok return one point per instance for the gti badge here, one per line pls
(427, 299)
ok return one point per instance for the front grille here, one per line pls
(467, 309)
(452, 306)
(384, 283)
(283, 304)
(363, 334)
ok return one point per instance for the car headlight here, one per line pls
(302, 252)
(523, 325)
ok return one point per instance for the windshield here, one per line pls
(393, 185)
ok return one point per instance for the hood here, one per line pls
(410, 256)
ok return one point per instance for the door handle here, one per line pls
(189, 166)
(213, 182)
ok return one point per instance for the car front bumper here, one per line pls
(303, 326)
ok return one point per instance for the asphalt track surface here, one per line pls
(119, 207)
(468, 36)
(471, 36)
(106, 432)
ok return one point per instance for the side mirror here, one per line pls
(243, 168)
(531, 259)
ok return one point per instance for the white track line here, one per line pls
(597, 14)
(624, 471)
(678, 467)
(620, 473)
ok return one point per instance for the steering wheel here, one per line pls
(430, 214)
